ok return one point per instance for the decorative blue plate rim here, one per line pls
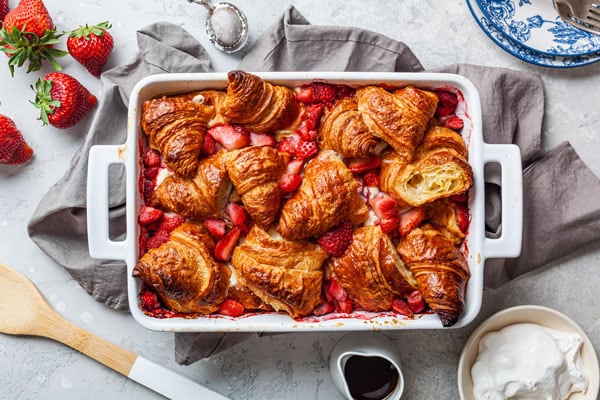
(525, 54)
(543, 31)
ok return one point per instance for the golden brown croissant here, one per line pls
(326, 198)
(439, 169)
(286, 275)
(399, 118)
(440, 269)
(183, 272)
(257, 104)
(255, 172)
(442, 213)
(371, 271)
(343, 130)
(176, 125)
(201, 196)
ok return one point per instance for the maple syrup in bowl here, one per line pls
(366, 366)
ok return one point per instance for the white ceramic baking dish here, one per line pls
(478, 247)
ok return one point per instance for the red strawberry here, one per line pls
(209, 145)
(13, 148)
(359, 165)
(225, 246)
(304, 94)
(62, 100)
(170, 221)
(91, 46)
(460, 198)
(447, 103)
(159, 238)
(289, 183)
(337, 240)
(230, 136)
(294, 166)
(28, 34)
(384, 206)
(462, 216)
(344, 306)
(151, 158)
(388, 225)
(231, 308)
(452, 122)
(149, 215)
(335, 292)
(262, 139)
(3, 9)
(288, 144)
(324, 92)
(149, 300)
(239, 217)
(305, 132)
(415, 301)
(323, 308)
(371, 178)
(313, 115)
(306, 149)
(410, 219)
(216, 227)
(344, 91)
(401, 307)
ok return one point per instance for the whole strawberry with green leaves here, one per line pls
(13, 148)
(62, 100)
(91, 46)
(28, 35)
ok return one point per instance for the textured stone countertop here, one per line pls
(288, 366)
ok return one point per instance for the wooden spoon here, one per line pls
(24, 311)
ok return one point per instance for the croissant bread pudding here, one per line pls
(310, 200)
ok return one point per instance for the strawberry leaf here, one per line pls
(43, 99)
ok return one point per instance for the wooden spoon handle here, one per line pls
(137, 368)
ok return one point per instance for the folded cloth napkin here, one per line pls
(512, 101)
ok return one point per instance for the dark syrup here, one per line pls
(370, 378)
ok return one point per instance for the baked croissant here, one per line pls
(343, 130)
(176, 125)
(255, 172)
(442, 213)
(257, 104)
(439, 169)
(286, 275)
(199, 197)
(327, 197)
(371, 271)
(440, 269)
(399, 118)
(183, 272)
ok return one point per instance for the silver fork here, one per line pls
(582, 14)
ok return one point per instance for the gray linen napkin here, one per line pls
(512, 107)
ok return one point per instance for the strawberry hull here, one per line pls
(477, 248)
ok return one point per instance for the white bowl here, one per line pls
(533, 314)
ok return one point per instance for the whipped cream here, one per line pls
(528, 361)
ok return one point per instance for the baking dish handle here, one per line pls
(99, 242)
(509, 243)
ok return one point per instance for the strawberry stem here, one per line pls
(43, 99)
(84, 31)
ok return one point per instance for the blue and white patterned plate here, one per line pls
(536, 25)
(526, 54)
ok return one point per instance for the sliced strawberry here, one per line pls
(462, 217)
(401, 307)
(216, 227)
(170, 221)
(324, 92)
(288, 144)
(294, 166)
(460, 198)
(384, 206)
(289, 183)
(231, 308)
(151, 158)
(313, 115)
(343, 306)
(262, 139)
(209, 145)
(306, 132)
(344, 91)
(371, 178)
(306, 149)
(149, 215)
(239, 217)
(148, 190)
(225, 246)
(415, 301)
(337, 240)
(389, 225)
(452, 122)
(447, 104)
(159, 238)
(410, 219)
(335, 292)
(323, 308)
(151, 172)
(149, 301)
(360, 165)
(230, 136)
(305, 94)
